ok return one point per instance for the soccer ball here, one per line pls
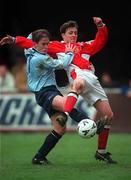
(86, 128)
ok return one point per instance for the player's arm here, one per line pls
(92, 47)
(23, 42)
(64, 60)
(18, 40)
(55, 47)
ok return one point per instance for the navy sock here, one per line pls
(77, 115)
(49, 143)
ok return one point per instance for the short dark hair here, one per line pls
(67, 25)
(40, 33)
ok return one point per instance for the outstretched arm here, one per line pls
(18, 40)
(94, 46)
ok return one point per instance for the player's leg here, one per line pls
(96, 96)
(104, 109)
(45, 99)
(76, 88)
(51, 100)
(49, 143)
(58, 104)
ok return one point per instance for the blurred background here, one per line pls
(73, 158)
(112, 63)
(22, 17)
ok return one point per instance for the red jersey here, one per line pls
(90, 48)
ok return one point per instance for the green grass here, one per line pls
(72, 158)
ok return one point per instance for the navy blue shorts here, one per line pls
(45, 97)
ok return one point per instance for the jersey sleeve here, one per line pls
(50, 63)
(55, 47)
(23, 42)
(62, 62)
(94, 46)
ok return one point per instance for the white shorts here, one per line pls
(93, 90)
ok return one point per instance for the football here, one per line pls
(86, 128)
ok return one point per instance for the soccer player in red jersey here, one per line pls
(82, 76)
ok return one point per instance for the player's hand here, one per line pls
(70, 48)
(7, 40)
(98, 21)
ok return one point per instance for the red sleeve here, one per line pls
(98, 43)
(55, 47)
(23, 42)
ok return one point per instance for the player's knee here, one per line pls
(61, 119)
(61, 130)
(79, 85)
(110, 117)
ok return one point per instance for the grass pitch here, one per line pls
(72, 158)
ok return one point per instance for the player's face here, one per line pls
(70, 35)
(42, 45)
